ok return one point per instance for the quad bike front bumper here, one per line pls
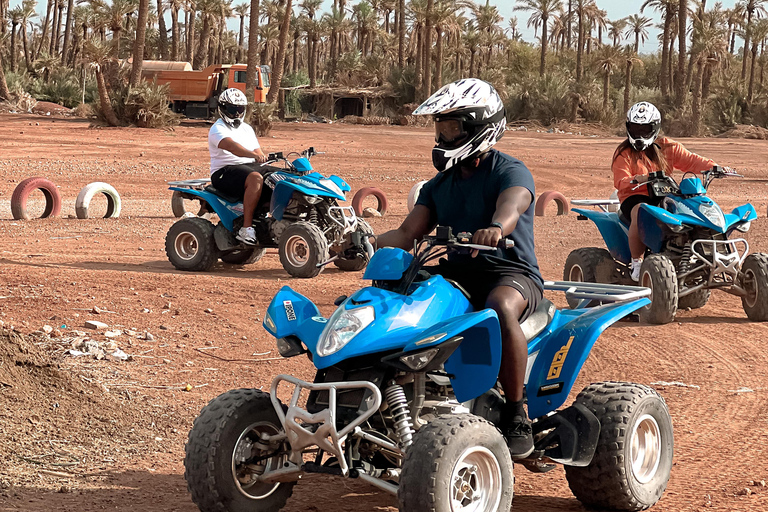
(721, 261)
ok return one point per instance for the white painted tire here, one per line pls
(413, 195)
(614, 207)
(86, 194)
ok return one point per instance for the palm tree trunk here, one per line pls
(163, 31)
(5, 94)
(106, 104)
(54, 32)
(419, 59)
(747, 34)
(45, 28)
(428, 50)
(628, 84)
(277, 70)
(189, 32)
(201, 56)
(27, 63)
(606, 87)
(67, 30)
(682, 22)
(253, 51)
(138, 44)
(174, 32)
(401, 34)
(637, 41)
(579, 43)
(313, 61)
(472, 63)
(439, 60)
(750, 89)
(240, 40)
(696, 107)
(13, 46)
(568, 24)
(296, 36)
(543, 63)
(664, 75)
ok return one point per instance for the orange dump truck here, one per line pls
(195, 93)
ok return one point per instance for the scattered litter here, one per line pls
(94, 324)
(741, 390)
(675, 383)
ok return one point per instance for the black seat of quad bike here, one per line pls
(539, 319)
(213, 190)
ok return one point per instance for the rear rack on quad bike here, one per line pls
(587, 292)
(199, 183)
(604, 204)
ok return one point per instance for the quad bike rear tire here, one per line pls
(358, 263)
(658, 273)
(302, 247)
(632, 461)
(225, 428)
(755, 282)
(589, 265)
(695, 300)
(452, 460)
(244, 256)
(190, 245)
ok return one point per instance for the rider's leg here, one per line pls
(510, 304)
(636, 245)
(253, 185)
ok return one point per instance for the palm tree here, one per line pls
(580, 6)
(444, 15)
(609, 59)
(638, 25)
(114, 14)
(616, 30)
(253, 50)
(750, 7)
(682, 27)
(5, 94)
(175, 6)
(401, 33)
(67, 30)
(710, 44)
(99, 54)
(632, 59)
(277, 70)
(16, 15)
(241, 10)
(310, 9)
(668, 9)
(138, 44)
(27, 12)
(46, 23)
(759, 33)
(206, 8)
(540, 10)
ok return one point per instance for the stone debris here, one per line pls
(96, 350)
(113, 334)
(371, 212)
(741, 390)
(148, 336)
(95, 324)
(47, 329)
(675, 383)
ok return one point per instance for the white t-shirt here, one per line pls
(244, 135)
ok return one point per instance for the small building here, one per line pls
(336, 102)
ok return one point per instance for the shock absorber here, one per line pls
(398, 406)
(685, 262)
(313, 215)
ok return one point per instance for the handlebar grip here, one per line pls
(506, 243)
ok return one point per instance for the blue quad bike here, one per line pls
(691, 250)
(302, 219)
(406, 398)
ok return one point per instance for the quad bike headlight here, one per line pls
(419, 360)
(343, 325)
(713, 214)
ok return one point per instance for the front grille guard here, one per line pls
(325, 436)
(348, 219)
(727, 262)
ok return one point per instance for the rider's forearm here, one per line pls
(507, 216)
(395, 238)
(236, 149)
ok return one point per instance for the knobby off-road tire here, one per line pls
(302, 247)
(589, 265)
(358, 263)
(244, 256)
(695, 300)
(453, 459)
(658, 273)
(232, 421)
(179, 208)
(755, 281)
(631, 466)
(190, 245)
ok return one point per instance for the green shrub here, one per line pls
(261, 116)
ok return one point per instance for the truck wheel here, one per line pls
(359, 263)
(658, 273)
(589, 265)
(302, 247)
(695, 300)
(755, 281)
(631, 465)
(457, 462)
(222, 455)
(244, 256)
(190, 246)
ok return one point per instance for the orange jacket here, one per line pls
(630, 163)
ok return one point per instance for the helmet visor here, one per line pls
(233, 111)
(641, 131)
(449, 132)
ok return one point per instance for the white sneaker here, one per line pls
(634, 268)
(247, 236)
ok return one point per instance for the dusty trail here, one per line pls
(54, 271)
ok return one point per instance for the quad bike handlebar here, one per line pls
(280, 157)
(660, 184)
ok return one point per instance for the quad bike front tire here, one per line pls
(244, 256)
(302, 247)
(633, 459)
(589, 265)
(190, 245)
(695, 300)
(358, 263)
(218, 450)
(658, 273)
(755, 281)
(457, 462)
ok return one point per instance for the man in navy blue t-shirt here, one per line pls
(491, 195)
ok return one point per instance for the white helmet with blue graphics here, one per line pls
(469, 120)
(643, 125)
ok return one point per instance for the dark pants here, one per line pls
(230, 179)
(629, 203)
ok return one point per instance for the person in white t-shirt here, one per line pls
(236, 159)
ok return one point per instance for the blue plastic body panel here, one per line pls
(388, 264)
(563, 347)
(613, 230)
(291, 313)
(343, 185)
(302, 165)
(692, 186)
(226, 211)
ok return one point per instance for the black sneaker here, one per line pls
(519, 436)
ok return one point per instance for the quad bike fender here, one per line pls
(473, 367)
(613, 232)
(226, 211)
(571, 435)
(650, 221)
(292, 314)
(743, 213)
(343, 185)
(284, 189)
(559, 355)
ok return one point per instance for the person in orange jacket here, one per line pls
(641, 153)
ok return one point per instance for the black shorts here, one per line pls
(629, 203)
(479, 283)
(230, 179)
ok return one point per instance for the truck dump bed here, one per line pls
(184, 83)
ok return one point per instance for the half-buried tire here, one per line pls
(26, 187)
(86, 194)
(563, 207)
(357, 200)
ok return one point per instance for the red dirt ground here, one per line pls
(87, 435)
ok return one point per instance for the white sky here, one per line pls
(616, 9)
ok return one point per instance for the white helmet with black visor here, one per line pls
(232, 105)
(643, 125)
